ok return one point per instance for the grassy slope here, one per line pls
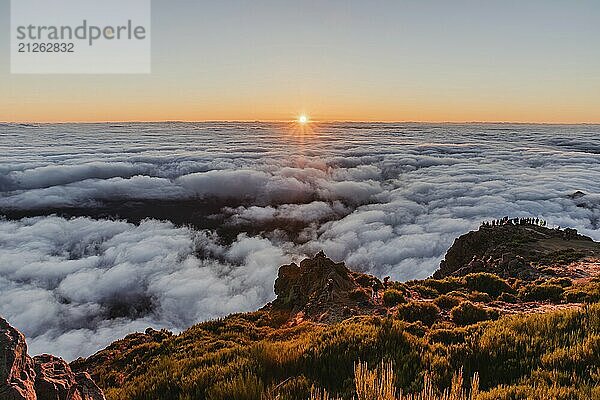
(242, 354)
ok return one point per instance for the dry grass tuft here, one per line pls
(378, 384)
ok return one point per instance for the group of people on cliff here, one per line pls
(515, 221)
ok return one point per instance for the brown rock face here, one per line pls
(44, 378)
(322, 290)
(16, 368)
(55, 380)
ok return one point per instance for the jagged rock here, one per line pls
(577, 195)
(16, 367)
(322, 290)
(55, 380)
(44, 377)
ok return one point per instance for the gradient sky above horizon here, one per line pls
(521, 61)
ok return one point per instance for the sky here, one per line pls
(519, 61)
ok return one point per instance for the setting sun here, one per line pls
(303, 119)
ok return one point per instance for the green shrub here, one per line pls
(443, 286)
(447, 336)
(447, 302)
(401, 287)
(480, 297)
(468, 313)
(562, 282)
(508, 298)
(425, 291)
(359, 295)
(425, 312)
(542, 292)
(392, 297)
(416, 328)
(578, 296)
(585, 293)
(487, 283)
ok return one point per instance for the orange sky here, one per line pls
(460, 110)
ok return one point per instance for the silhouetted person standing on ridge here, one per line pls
(375, 288)
(386, 282)
(329, 288)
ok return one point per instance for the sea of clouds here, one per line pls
(388, 199)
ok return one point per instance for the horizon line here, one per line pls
(326, 121)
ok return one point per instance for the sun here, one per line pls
(302, 126)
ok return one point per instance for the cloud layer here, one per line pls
(386, 198)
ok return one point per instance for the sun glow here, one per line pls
(302, 126)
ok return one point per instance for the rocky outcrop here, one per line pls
(16, 367)
(54, 379)
(322, 290)
(516, 251)
(44, 377)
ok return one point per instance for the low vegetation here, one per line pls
(467, 313)
(481, 283)
(393, 297)
(588, 292)
(425, 312)
(552, 356)
(447, 301)
(542, 292)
